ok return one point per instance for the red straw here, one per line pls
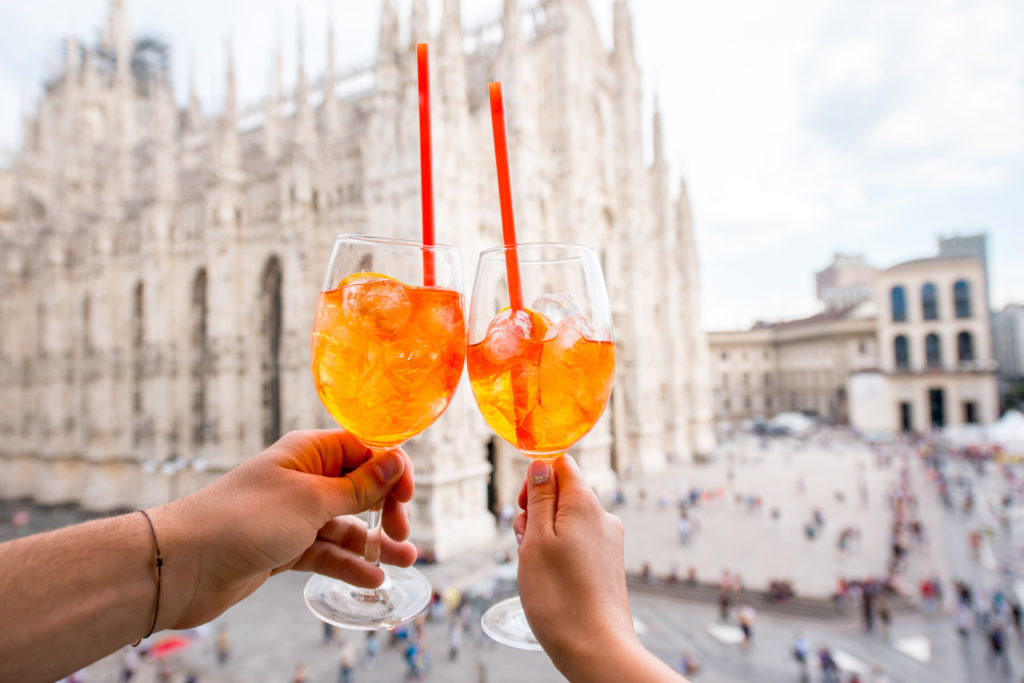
(426, 162)
(508, 220)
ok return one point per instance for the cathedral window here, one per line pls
(200, 359)
(270, 305)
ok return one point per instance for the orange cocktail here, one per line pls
(541, 386)
(386, 356)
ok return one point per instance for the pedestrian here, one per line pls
(300, 673)
(163, 673)
(867, 601)
(129, 664)
(328, 633)
(884, 616)
(684, 528)
(454, 639)
(829, 668)
(412, 661)
(223, 645)
(192, 677)
(747, 616)
(964, 617)
(997, 642)
(346, 662)
(688, 665)
(801, 650)
(372, 647)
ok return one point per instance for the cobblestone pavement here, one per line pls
(734, 536)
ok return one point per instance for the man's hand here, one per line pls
(277, 512)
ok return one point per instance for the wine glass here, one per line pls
(542, 374)
(389, 344)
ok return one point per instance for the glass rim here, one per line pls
(391, 242)
(491, 252)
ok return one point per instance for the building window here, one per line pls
(746, 402)
(964, 347)
(725, 380)
(746, 379)
(725, 404)
(933, 351)
(970, 412)
(902, 350)
(725, 356)
(929, 303)
(899, 304)
(767, 379)
(768, 403)
(962, 299)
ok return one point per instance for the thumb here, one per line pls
(541, 497)
(364, 486)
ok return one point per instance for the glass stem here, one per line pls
(373, 525)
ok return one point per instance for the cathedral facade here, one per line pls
(161, 264)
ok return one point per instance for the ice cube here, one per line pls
(380, 307)
(507, 336)
(414, 358)
(556, 307)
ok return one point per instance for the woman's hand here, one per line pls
(572, 579)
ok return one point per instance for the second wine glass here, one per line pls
(541, 374)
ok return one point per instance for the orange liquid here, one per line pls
(387, 357)
(540, 389)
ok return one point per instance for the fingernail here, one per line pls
(519, 539)
(538, 472)
(386, 467)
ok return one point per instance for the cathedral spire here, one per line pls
(303, 114)
(623, 31)
(164, 173)
(420, 23)
(451, 26)
(659, 144)
(230, 88)
(194, 111)
(230, 145)
(119, 40)
(387, 41)
(511, 23)
(330, 107)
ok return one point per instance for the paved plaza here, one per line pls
(272, 632)
(729, 533)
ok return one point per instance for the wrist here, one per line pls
(605, 655)
(177, 535)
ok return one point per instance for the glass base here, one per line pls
(403, 595)
(506, 623)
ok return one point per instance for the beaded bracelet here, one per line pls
(159, 576)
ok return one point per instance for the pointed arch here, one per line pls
(271, 332)
(199, 358)
(137, 343)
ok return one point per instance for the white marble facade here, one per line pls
(160, 265)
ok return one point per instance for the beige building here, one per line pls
(160, 265)
(797, 365)
(903, 349)
(934, 337)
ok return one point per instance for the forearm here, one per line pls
(75, 595)
(624, 660)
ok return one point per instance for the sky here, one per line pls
(802, 127)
